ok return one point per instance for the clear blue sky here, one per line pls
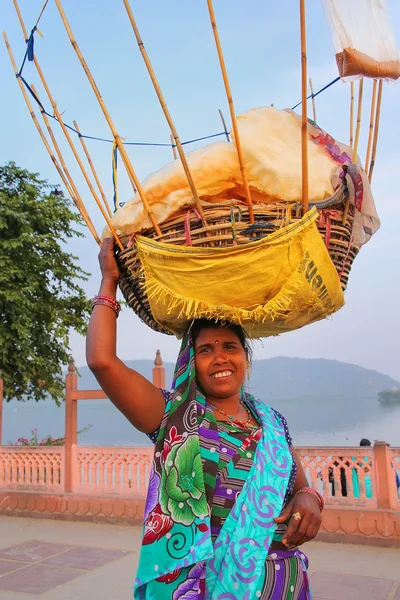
(261, 46)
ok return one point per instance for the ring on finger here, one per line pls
(297, 516)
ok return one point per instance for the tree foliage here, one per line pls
(389, 396)
(40, 297)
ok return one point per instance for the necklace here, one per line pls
(236, 420)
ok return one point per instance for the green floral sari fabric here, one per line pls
(178, 546)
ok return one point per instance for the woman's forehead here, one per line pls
(213, 335)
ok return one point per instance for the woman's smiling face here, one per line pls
(220, 362)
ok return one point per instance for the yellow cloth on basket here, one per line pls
(282, 282)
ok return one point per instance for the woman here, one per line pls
(228, 501)
(364, 443)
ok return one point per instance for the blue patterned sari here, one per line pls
(182, 557)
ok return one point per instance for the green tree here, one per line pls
(40, 297)
(389, 396)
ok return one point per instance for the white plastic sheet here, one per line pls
(363, 39)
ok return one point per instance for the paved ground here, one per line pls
(57, 560)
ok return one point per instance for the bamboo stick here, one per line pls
(358, 124)
(82, 168)
(78, 203)
(96, 177)
(77, 157)
(351, 113)
(371, 125)
(41, 12)
(231, 109)
(125, 158)
(228, 139)
(356, 140)
(166, 112)
(313, 101)
(68, 137)
(114, 162)
(72, 189)
(173, 146)
(304, 127)
(376, 131)
(132, 182)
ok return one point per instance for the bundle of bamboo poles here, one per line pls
(373, 127)
(96, 189)
(99, 195)
(60, 164)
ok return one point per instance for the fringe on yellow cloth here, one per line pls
(273, 285)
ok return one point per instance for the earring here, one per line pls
(248, 371)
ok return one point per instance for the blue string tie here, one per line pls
(30, 45)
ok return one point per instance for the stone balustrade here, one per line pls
(356, 478)
(39, 469)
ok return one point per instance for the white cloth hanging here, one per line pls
(363, 39)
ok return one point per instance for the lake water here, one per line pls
(312, 422)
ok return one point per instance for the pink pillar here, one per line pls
(71, 425)
(384, 476)
(1, 411)
(159, 372)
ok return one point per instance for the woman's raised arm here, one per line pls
(140, 401)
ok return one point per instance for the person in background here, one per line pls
(360, 470)
(228, 502)
(343, 481)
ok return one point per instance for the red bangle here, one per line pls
(107, 301)
(110, 299)
(314, 493)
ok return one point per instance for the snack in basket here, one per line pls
(271, 144)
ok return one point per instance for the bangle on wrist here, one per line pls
(107, 301)
(317, 496)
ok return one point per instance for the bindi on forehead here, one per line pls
(215, 338)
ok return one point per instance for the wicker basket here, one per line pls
(228, 225)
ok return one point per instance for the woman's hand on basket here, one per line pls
(304, 515)
(108, 264)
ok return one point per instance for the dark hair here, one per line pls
(200, 324)
(365, 442)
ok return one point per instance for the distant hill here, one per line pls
(284, 378)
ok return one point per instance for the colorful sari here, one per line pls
(196, 545)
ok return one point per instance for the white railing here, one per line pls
(32, 468)
(344, 476)
(105, 471)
